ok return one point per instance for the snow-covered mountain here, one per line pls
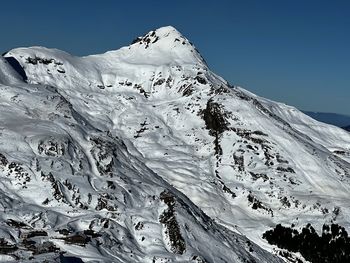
(144, 155)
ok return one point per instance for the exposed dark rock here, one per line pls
(64, 231)
(139, 226)
(104, 153)
(228, 190)
(247, 134)
(285, 202)
(3, 160)
(37, 233)
(56, 186)
(111, 185)
(340, 152)
(141, 90)
(256, 176)
(215, 121)
(141, 130)
(290, 257)
(187, 90)
(159, 82)
(147, 39)
(91, 233)
(201, 79)
(288, 169)
(215, 118)
(102, 203)
(172, 228)
(332, 246)
(221, 90)
(199, 259)
(257, 204)
(77, 239)
(46, 61)
(239, 162)
(51, 148)
(280, 159)
(18, 172)
(29, 244)
(46, 247)
(6, 247)
(17, 224)
(136, 40)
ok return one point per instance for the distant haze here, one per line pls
(330, 118)
(296, 52)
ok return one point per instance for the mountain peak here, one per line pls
(163, 34)
(170, 43)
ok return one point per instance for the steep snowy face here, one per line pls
(71, 186)
(246, 162)
(7, 73)
(145, 67)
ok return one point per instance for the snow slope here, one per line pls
(155, 158)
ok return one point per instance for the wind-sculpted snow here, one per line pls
(69, 187)
(7, 73)
(144, 155)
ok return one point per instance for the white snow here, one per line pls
(128, 124)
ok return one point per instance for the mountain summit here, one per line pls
(143, 154)
(168, 44)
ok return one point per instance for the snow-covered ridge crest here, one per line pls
(163, 50)
(161, 47)
(169, 43)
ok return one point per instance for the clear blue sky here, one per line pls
(297, 52)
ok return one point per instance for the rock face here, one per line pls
(332, 246)
(144, 155)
